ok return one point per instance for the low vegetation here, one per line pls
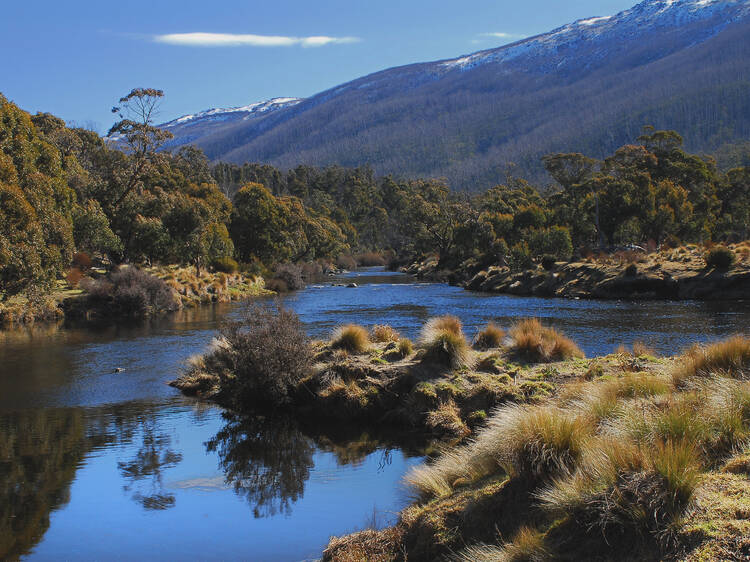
(490, 337)
(627, 465)
(534, 342)
(352, 338)
(129, 291)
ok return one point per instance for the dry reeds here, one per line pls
(730, 358)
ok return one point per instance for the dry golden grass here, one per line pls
(440, 324)
(444, 343)
(527, 546)
(730, 358)
(383, 333)
(447, 419)
(537, 343)
(405, 347)
(490, 337)
(351, 338)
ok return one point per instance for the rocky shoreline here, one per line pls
(676, 275)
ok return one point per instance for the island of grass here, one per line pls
(552, 457)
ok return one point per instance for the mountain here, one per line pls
(588, 86)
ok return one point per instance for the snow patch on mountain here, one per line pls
(651, 14)
(222, 114)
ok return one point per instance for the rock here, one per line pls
(119, 370)
(352, 286)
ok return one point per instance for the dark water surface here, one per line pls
(99, 465)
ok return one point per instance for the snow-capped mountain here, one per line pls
(222, 114)
(588, 86)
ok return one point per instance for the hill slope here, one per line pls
(588, 86)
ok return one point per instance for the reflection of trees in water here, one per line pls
(144, 472)
(39, 453)
(266, 461)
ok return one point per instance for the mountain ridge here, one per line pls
(436, 118)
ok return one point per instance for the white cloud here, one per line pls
(201, 39)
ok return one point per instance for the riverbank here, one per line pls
(91, 297)
(675, 274)
(636, 459)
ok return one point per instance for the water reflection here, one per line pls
(143, 473)
(39, 454)
(265, 461)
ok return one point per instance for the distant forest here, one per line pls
(64, 193)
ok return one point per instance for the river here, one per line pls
(100, 459)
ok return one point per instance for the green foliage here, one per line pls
(720, 257)
(225, 265)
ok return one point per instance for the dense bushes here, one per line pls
(261, 358)
(225, 265)
(720, 257)
(130, 291)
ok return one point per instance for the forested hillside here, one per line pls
(588, 87)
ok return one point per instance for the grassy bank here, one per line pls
(128, 291)
(630, 458)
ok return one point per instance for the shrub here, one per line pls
(720, 257)
(370, 259)
(262, 358)
(444, 342)
(73, 277)
(631, 270)
(346, 262)
(225, 265)
(82, 261)
(130, 291)
(352, 338)
(555, 241)
(491, 337)
(291, 275)
(548, 262)
(383, 333)
(277, 286)
(537, 343)
(520, 256)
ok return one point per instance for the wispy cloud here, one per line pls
(201, 39)
(484, 37)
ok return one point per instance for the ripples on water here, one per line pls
(98, 464)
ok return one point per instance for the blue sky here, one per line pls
(76, 58)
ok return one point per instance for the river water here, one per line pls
(97, 463)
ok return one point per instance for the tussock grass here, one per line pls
(730, 358)
(383, 333)
(490, 337)
(444, 343)
(623, 490)
(541, 344)
(352, 338)
(527, 546)
(446, 418)
(405, 347)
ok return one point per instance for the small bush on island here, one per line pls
(721, 258)
(352, 338)
(130, 291)
(260, 359)
(288, 275)
(444, 343)
(541, 344)
(491, 337)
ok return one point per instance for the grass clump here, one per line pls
(405, 347)
(383, 333)
(491, 337)
(527, 546)
(352, 338)
(446, 419)
(444, 343)
(730, 358)
(541, 344)
(627, 491)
